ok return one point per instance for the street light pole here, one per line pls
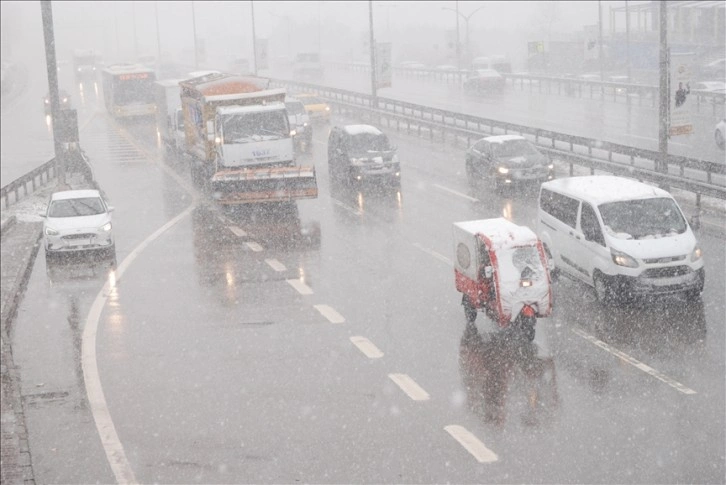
(158, 39)
(194, 29)
(46, 10)
(133, 19)
(661, 165)
(627, 43)
(458, 39)
(466, 20)
(254, 37)
(373, 55)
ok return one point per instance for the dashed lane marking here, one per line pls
(367, 347)
(635, 362)
(254, 246)
(433, 253)
(330, 313)
(471, 443)
(301, 287)
(275, 264)
(237, 231)
(409, 386)
(452, 191)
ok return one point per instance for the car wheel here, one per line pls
(469, 310)
(602, 290)
(554, 272)
(470, 175)
(720, 140)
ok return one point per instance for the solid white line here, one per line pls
(301, 287)
(367, 347)
(330, 313)
(409, 386)
(452, 191)
(472, 444)
(275, 264)
(635, 362)
(237, 231)
(96, 399)
(254, 246)
(433, 253)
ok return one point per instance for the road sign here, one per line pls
(681, 101)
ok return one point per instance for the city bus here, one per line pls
(128, 90)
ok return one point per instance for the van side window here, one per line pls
(590, 225)
(483, 147)
(559, 206)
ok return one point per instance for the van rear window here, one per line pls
(559, 206)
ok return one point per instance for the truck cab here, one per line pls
(299, 124)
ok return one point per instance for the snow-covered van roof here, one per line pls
(501, 232)
(600, 189)
(361, 129)
(502, 138)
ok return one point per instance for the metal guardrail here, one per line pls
(24, 186)
(576, 150)
(571, 86)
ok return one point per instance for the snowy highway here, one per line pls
(329, 345)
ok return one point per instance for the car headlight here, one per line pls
(49, 231)
(65, 100)
(503, 170)
(106, 227)
(622, 259)
(696, 254)
(327, 108)
(305, 124)
(293, 132)
(47, 102)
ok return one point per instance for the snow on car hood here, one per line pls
(77, 224)
(655, 247)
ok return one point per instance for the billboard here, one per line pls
(384, 67)
(679, 90)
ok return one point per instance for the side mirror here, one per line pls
(111, 208)
(42, 214)
(486, 272)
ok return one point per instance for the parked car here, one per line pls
(300, 124)
(484, 80)
(63, 98)
(624, 238)
(506, 160)
(358, 153)
(78, 222)
(720, 134)
(317, 108)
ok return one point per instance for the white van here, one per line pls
(623, 237)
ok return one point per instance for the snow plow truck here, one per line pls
(238, 138)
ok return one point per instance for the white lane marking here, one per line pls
(330, 313)
(275, 264)
(346, 207)
(409, 386)
(367, 347)
(112, 445)
(452, 191)
(301, 287)
(635, 362)
(254, 246)
(237, 231)
(472, 444)
(433, 253)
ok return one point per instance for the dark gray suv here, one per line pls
(357, 153)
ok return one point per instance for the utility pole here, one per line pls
(458, 39)
(158, 39)
(627, 43)
(254, 37)
(194, 29)
(46, 10)
(133, 19)
(599, 42)
(373, 56)
(664, 105)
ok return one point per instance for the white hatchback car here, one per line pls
(78, 221)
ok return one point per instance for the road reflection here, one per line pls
(504, 375)
(383, 201)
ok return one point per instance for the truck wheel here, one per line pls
(469, 310)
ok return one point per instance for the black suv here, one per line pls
(362, 152)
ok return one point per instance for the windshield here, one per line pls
(295, 107)
(87, 206)
(514, 148)
(367, 142)
(642, 219)
(313, 100)
(133, 91)
(266, 125)
(85, 61)
(523, 257)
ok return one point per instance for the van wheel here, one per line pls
(602, 290)
(554, 272)
(469, 310)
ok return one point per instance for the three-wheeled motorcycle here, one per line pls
(501, 268)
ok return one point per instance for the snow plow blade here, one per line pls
(252, 185)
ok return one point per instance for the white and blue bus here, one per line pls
(128, 90)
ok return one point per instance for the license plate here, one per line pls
(674, 280)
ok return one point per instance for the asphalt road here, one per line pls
(329, 346)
